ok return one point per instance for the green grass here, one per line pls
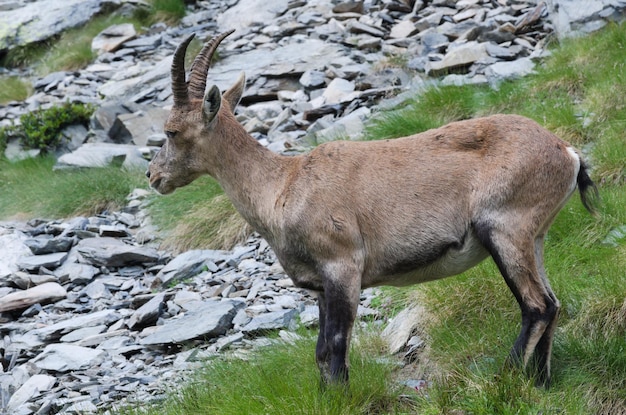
(31, 189)
(283, 379)
(169, 11)
(13, 88)
(198, 216)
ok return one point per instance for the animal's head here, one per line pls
(195, 119)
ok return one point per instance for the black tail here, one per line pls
(589, 194)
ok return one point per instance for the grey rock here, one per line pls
(81, 333)
(459, 57)
(50, 81)
(434, 41)
(500, 71)
(401, 327)
(35, 262)
(187, 299)
(275, 320)
(12, 248)
(96, 290)
(65, 357)
(250, 13)
(225, 342)
(106, 341)
(310, 315)
(313, 79)
(32, 388)
(140, 125)
(48, 245)
(339, 90)
(104, 118)
(81, 407)
(111, 252)
(95, 155)
(25, 280)
(113, 37)
(44, 293)
(214, 318)
(187, 265)
(148, 313)
(76, 273)
(43, 19)
(615, 236)
(503, 53)
(356, 26)
(97, 318)
(570, 15)
(404, 29)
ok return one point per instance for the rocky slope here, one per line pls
(92, 312)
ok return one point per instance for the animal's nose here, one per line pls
(148, 174)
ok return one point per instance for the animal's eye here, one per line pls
(170, 134)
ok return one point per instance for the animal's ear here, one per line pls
(211, 104)
(234, 93)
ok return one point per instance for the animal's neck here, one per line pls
(251, 175)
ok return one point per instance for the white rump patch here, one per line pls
(574, 154)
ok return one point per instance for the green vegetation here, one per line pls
(168, 11)
(198, 216)
(283, 379)
(41, 129)
(13, 88)
(30, 188)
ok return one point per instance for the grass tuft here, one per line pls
(32, 189)
(198, 216)
(13, 88)
(283, 379)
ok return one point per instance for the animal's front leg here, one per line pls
(322, 352)
(338, 306)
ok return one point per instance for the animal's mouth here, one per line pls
(156, 184)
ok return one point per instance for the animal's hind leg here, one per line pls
(513, 250)
(543, 350)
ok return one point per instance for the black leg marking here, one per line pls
(338, 305)
(525, 277)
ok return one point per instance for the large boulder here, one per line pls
(44, 19)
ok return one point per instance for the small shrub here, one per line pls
(41, 129)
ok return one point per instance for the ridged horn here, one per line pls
(200, 66)
(179, 82)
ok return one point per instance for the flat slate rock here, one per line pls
(58, 357)
(111, 252)
(212, 319)
(44, 293)
(35, 262)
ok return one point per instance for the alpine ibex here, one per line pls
(350, 215)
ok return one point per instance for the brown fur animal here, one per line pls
(351, 215)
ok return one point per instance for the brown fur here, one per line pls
(350, 215)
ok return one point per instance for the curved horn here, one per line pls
(200, 66)
(179, 84)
